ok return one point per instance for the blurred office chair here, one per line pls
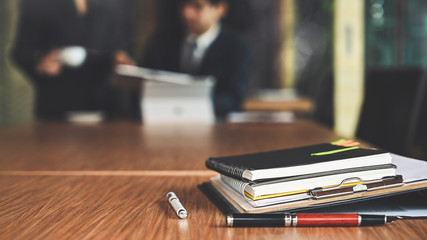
(323, 99)
(392, 108)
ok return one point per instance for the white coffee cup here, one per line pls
(72, 56)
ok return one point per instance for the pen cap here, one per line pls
(171, 195)
(176, 205)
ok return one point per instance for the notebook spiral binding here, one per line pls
(235, 184)
(232, 171)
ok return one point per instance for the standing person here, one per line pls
(205, 46)
(68, 49)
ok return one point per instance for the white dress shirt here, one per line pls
(195, 47)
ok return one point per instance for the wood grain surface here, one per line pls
(135, 207)
(109, 181)
(131, 146)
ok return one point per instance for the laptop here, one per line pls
(173, 98)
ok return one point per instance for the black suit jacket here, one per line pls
(48, 24)
(227, 59)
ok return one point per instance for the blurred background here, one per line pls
(361, 64)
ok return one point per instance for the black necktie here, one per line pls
(188, 65)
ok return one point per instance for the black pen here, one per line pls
(305, 220)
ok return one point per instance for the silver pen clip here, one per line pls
(360, 186)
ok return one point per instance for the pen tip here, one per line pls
(393, 218)
(182, 214)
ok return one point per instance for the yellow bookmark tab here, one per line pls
(338, 141)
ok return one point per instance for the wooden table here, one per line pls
(131, 146)
(109, 181)
(286, 99)
(302, 106)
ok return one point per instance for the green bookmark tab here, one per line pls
(334, 151)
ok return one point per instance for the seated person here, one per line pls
(204, 47)
(46, 28)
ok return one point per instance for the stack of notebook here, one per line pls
(299, 177)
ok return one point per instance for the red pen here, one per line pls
(305, 220)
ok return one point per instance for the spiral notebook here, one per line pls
(414, 183)
(291, 185)
(297, 161)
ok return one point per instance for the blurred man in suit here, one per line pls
(203, 46)
(68, 48)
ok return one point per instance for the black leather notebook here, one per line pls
(296, 161)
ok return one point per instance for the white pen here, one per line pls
(176, 205)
